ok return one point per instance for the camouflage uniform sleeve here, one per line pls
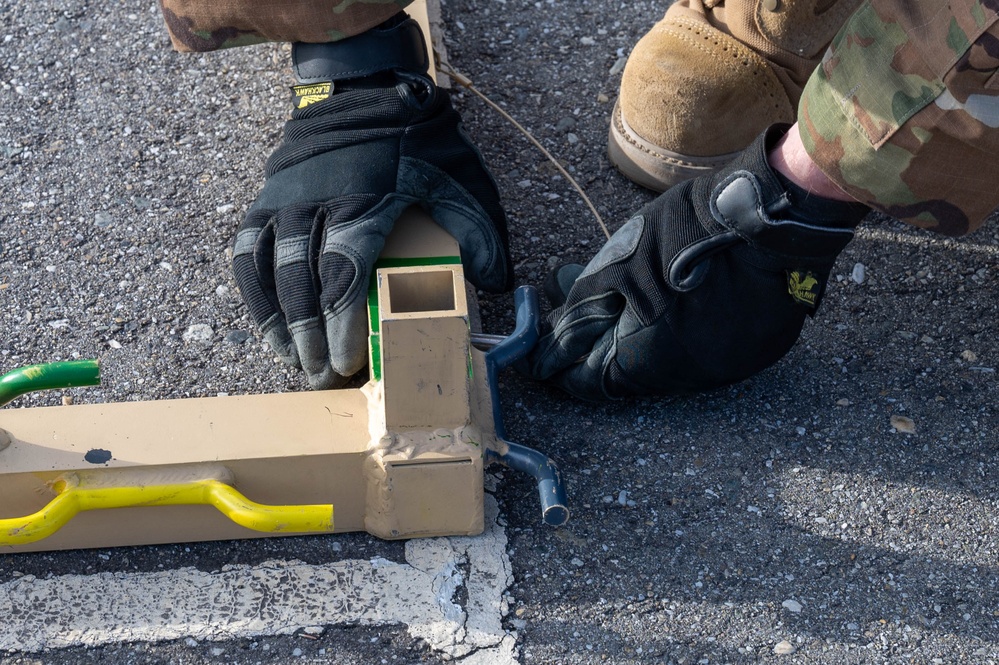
(903, 112)
(207, 25)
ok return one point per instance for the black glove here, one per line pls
(370, 135)
(707, 285)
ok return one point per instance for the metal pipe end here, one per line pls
(555, 515)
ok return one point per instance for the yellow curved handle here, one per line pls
(72, 500)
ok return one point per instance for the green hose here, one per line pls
(48, 376)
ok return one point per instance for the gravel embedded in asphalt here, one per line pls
(841, 507)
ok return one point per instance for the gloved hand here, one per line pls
(370, 135)
(707, 285)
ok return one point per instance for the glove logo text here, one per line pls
(310, 94)
(803, 287)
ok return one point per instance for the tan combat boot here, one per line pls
(712, 75)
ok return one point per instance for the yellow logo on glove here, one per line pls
(310, 94)
(803, 287)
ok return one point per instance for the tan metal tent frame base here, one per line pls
(401, 457)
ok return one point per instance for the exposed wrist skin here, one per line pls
(790, 159)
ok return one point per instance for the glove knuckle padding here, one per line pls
(252, 263)
(576, 331)
(591, 306)
(253, 269)
(293, 251)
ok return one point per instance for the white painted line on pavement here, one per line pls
(278, 598)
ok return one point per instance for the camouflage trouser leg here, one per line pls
(206, 25)
(903, 112)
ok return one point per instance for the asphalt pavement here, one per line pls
(841, 507)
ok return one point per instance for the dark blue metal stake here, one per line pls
(550, 488)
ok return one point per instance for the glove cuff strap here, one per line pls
(738, 204)
(393, 45)
(749, 198)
